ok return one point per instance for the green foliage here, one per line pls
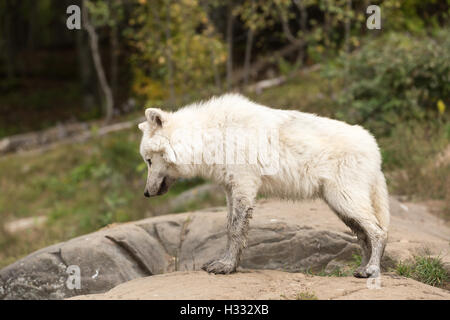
(175, 46)
(256, 15)
(151, 49)
(105, 12)
(286, 68)
(426, 269)
(99, 12)
(394, 79)
(414, 16)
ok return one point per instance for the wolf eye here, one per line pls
(149, 162)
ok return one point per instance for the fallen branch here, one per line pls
(260, 86)
(50, 138)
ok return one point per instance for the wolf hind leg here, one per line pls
(355, 209)
(363, 241)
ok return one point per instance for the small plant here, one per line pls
(306, 295)
(426, 269)
(356, 262)
(404, 269)
(344, 271)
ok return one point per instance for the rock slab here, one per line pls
(283, 236)
(268, 285)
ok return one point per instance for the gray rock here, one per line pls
(283, 236)
(105, 259)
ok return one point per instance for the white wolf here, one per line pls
(311, 157)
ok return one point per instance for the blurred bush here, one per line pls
(395, 78)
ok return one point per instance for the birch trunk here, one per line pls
(93, 42)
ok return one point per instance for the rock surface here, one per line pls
(268, 284)
(283, 236)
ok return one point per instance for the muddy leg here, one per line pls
(378, 239)
(238, 225)
(357, 213)
(365, 248)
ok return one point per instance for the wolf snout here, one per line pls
(147, 194)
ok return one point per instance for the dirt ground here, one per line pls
(269, 284)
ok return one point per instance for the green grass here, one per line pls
(426, 269)
(79, 187)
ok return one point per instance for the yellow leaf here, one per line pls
(441, 106)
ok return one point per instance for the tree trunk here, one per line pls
(303, 20)
(327, 22)
(93, 41)
(215, 71)
(169, 56)
(8, 42)
(285, 25)
(210, 35)
(85, 69)
(348, 26)
(347, 35)
(230, 21)
(167, 50)
(114, 60)
(248, 55)
(31, 27)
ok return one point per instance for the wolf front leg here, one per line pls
(240, 209)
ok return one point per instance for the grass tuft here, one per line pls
(426, 269)
(306, 295)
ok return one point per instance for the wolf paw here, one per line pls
(367, 271)
(219, 267)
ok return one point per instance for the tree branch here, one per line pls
(93, 41)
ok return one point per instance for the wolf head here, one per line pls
(156, 151)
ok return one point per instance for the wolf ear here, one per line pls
(156, 117)
(143, 126)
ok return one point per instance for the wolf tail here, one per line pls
(380, 201)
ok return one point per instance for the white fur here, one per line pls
(318, 157)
